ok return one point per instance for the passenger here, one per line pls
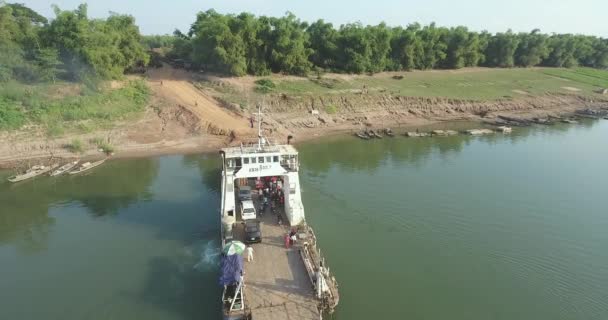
(292, 239)
(249, 251)
(287, 240)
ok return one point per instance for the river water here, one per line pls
(496, 227)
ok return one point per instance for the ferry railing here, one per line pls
(318, 272)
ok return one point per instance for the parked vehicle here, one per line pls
(248, 210)
(253, 231)
(244, 193)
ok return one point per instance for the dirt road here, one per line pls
(174, 87)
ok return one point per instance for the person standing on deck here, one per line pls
(249, 251)
(287, 240)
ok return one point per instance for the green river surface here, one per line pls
(472, 228)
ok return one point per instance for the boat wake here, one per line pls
(209, 257)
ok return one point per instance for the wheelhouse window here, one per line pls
(252, 159)
(246, 160)
(275, 159)
(260, 159)
(269, 159)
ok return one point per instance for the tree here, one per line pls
(405, 46)
(47, 60)
(532, 49)
(501, 50)
(563, 51)
(215, 46)
(355, 49)
(380, 41)
(324, 44)
(288, 45)
(458, 46)
(434, 46)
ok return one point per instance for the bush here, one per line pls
(75, 146)
(106, 147)
(11, 117)
(264, 85)
(331, 109)
(326, 83)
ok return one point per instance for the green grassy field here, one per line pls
(65, 107)
(472, 84)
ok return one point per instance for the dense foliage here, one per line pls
(70, 46)
(82, 108)
(245, 44)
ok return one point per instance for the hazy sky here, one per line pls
(561, 16)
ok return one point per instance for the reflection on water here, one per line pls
(105, 190)
(475, 228)
(353, 154)
(491, 227)
(132, 239)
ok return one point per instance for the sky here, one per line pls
(559, 16)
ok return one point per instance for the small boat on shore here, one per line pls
(478, 132)
(389, 132)
(504, 129)
(362, 135)
(32, 172)
(87, 166)
(64, 168)
(569, 121)
(375, 133)
(417, 134)
(444, 133)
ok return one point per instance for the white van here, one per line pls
(247, 210)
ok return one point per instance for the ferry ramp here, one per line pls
(277, 285)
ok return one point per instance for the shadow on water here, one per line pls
(210, 169)
(104, 191)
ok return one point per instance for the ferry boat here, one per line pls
(288, 278)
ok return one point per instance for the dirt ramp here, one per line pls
(175, 88)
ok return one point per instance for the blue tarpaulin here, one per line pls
(232, 268)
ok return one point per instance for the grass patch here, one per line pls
(588, 76)
(75, 146)
(11, 116)
(467, 84)
(55, 130)
(80, 110)
(331, 109)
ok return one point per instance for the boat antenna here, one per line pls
(261, 141)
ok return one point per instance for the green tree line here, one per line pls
(71, 46)
(246, 44)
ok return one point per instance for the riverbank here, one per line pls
(190, 113)
(42, 151)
